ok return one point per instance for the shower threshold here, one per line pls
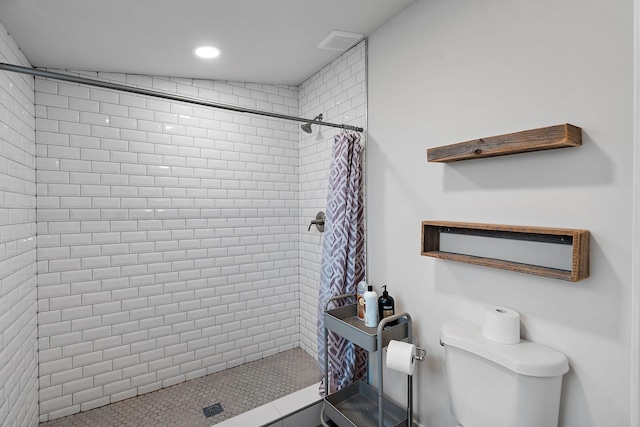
(299, 409)
(237, 390)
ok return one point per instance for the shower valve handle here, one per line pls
(318, 222)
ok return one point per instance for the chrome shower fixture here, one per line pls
(307, 126)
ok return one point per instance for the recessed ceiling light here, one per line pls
(206, 52)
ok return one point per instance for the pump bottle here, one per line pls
(370, 308)
(386, 306)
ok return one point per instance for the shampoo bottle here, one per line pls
(370, 308)
(361, 289)
(386, 305)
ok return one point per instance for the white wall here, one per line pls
(338, 91)
(18, 343)
(635, 319)
(167, 236)
(448, 71)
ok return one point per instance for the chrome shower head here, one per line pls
(307, 126)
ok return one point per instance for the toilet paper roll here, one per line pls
(501, 325)
(401, 357)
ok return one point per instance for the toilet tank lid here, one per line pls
(524, 358)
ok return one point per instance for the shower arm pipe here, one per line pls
(169, 96)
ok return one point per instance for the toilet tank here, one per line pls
(501, 385)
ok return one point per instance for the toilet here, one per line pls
(501, 385)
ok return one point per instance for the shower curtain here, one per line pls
(342, 258)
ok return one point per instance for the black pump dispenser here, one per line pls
(386, 305)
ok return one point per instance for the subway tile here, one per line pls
(114, 109)
(53, 253)
(77, 385)
(104, 95)
(120, 360)
(77, 129)
(94, 154)
(61, 190)
(66, 376)
(46, 86)
(107, 307)
(51, 100)
(84, 214)
(105, 237)
(84, 105)
(94, 118)
(59, 328)
(146, 192)
(123, 122)
(116, 282)
(95, 190)
(56, 403)
(74, 91)
(107, 378)
(150, 159)
(55, 366)
(64, 265)
(123, 395)
(66, 339)
(49, 393)
(105, 132)
(87, 395)
(85, 323)
(75, 202)
(92, 404)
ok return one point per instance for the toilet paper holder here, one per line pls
(399, 351)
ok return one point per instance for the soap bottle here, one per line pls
(361, 289)
(370, 308)
(386, 306)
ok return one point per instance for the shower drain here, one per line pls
(212, 410)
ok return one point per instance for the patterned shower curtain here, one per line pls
(342, 257)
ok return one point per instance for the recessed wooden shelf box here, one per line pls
(578, 239)
(559, 136)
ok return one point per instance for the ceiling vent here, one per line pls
(340, 40)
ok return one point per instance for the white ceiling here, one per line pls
(265, 41)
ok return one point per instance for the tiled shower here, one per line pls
(172, 239)
(18, 282)
(167, 237)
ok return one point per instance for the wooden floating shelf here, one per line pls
(578, 239)
(559, 136)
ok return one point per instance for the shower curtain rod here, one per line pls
(158, 94)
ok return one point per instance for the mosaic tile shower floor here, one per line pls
(238, 389)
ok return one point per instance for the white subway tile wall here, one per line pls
(167, 236)
(338, 91)
(172, 239)
(18, 340)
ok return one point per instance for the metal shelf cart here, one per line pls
(355, 405)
